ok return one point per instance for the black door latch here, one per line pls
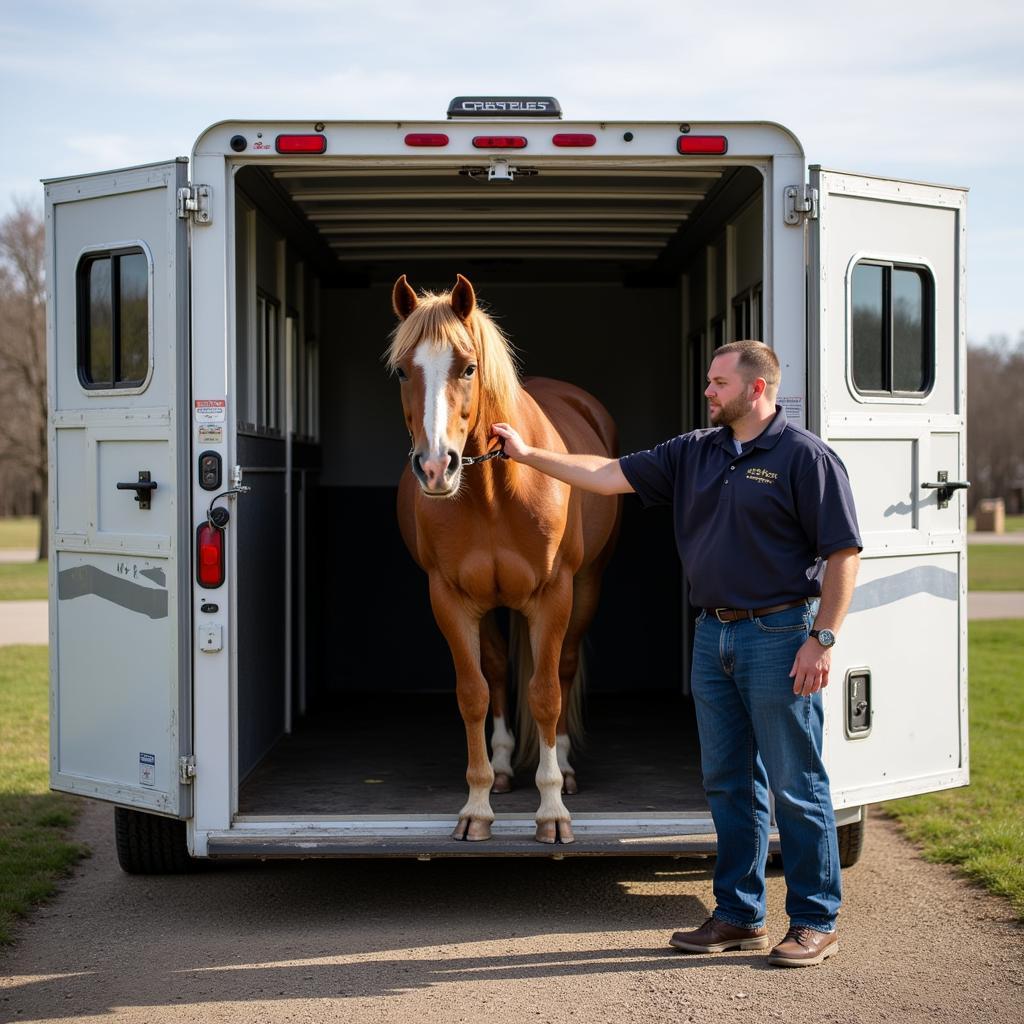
(143, 488)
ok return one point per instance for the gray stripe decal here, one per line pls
(88, 579)
(156, 575)
(923, 579)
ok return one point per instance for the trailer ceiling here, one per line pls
(607, 221)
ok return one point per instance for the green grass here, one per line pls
(981, 828)
(19, 532)
(995, 566)
(34, 849)
(1014, 524)
(23, 581)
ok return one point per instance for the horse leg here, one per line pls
(494, 660)
(461, 628)
(586, 588)
(548, 620)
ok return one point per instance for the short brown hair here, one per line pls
(756, 359)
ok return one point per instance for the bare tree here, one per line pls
(23, 353)
(995, 420)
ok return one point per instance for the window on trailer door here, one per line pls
(112, 307)
(892, 337)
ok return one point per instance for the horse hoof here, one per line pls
(502, 783)
(554, 832)
(472, 830)
(569, 787)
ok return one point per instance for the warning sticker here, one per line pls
(147, 769)
(210, 410)
(793, 408)
(210, 435)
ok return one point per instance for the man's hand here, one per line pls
(810, 668)
(515, 447)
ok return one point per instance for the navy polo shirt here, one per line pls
(752, 529)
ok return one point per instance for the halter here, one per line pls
(472, 460)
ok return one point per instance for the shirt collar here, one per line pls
(768, 437)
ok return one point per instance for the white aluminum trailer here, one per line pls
(216, 325)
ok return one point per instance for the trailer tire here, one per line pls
(148, 844)
(851, 841)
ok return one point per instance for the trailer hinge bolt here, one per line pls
(186, 769)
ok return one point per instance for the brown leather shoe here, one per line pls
(804, 947)
(715, 936)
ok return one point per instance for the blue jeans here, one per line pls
(754, 731)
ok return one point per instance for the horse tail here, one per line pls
(521, 657)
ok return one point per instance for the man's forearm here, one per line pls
(588, 472)
(837, 589)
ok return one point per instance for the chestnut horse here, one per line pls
(499, 534)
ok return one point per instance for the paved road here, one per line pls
(581, 941)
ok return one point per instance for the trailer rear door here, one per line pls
(118, 440)
(887, 391)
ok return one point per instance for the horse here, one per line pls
(498, 534)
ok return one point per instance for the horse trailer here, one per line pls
(242, 653)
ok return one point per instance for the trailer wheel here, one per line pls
(851, 841)
(148, 844)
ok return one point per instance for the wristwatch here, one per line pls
(825, 637)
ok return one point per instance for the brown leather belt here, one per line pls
(733, 614)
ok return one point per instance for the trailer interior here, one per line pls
(618, 277)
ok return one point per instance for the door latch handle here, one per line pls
(143, 488)
(946, 487)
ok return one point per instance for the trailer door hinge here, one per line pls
(186, 769)
(801, 201)
(194, 200)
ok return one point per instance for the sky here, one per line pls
(927, 91)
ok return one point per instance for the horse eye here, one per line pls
(401, 374)
(469, 371)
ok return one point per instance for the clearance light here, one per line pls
(706, 145)
(578, 140)
(426, 139)
(301, 143)
(499, 141)
(209, 556)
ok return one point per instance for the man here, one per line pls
(762, 508)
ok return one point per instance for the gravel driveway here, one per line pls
(452, 941)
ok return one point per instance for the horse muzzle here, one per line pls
(438, 477)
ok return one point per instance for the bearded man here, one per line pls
(767, 532)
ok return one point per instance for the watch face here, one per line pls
(826, 637)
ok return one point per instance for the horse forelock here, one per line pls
(435, 323)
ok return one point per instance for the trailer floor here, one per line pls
(641, 757)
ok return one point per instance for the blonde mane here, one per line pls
(435, 322)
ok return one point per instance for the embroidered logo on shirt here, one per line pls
(761, 476)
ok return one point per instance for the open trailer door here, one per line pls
(887, 391)
(120, 656)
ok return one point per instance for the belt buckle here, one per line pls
(719, 617)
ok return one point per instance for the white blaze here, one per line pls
(436, 366)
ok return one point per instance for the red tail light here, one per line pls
(574, 139)
(209, 556)
(708, 145)
(500, 141)
(426, 139)
(301, 143)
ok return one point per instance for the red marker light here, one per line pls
(301, 143)
(499, 141)
(209, 556)
(426, 139)
(577, 140)
(706, 145)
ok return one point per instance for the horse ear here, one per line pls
(463, 298)
(403, 298)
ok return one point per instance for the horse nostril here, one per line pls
(454, 461)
